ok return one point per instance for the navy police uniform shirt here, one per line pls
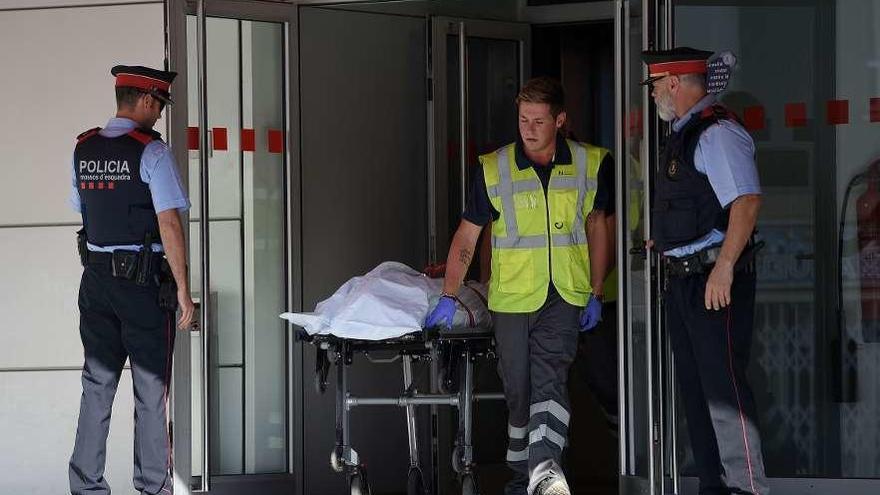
(725, 153)
(480, 211)
(157, 169)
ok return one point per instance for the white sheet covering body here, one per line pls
(390, 301)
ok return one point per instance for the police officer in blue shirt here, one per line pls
(127, 188)
(706, 202)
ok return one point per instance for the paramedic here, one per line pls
(537, 193)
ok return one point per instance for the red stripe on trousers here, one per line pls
(742, 418)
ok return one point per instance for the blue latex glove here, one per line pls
(442, 314)
(592, 314)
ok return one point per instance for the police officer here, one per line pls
(537, 193)
(706, 202)
(127, 188)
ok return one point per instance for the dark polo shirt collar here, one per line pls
(563, 154)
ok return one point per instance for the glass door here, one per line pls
(807, 90)
(477, 70)
(643, 352)
(235, 431)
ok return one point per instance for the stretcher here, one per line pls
(451, 355)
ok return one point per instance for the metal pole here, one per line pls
(204, 233)
(410, 414)
(466, 408)
(673, 421)
(463, 116)
(649, 11)
(622, 276)
(669, 36)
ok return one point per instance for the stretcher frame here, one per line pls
(454, 351)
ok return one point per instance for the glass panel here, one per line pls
(265, 276)
(247, 266)
(493, 83)
(805, 87)
(637, 309)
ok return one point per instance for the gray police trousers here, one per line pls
(119, 320)
(711, 351)
(535, 352)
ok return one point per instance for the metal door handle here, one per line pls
(639, 251)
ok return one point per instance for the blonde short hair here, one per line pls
(543, 90)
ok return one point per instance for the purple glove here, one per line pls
(442, 314)
(592, 314)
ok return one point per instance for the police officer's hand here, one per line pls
(718, 286)
(185, 304)
(591, 315)
(443, 313)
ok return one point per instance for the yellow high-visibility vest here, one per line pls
(538, 237)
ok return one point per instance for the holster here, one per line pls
(124, 264)
(82, 247)
(145, 262)
(167, 287)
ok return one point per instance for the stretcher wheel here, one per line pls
(358, 484)
(336, 461)
(415, 484)
(457, 461)
(469, 485)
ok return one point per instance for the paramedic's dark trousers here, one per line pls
(711, 351)
(536, 350)
(120, 320)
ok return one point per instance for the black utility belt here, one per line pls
(703, 261)
(130, 265)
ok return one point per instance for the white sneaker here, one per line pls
(552, 485)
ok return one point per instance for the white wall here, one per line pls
(56, 83)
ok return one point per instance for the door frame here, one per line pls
(176, 12)
(827, 278)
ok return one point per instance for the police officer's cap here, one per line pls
(677, 61)
(151, 81)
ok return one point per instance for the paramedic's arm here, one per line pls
(461, 252)
(611, 225)
(598, 244)
(486, 254)
(601, 228)
(171, 231)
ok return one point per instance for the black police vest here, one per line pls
(117, 206)
(685, 206)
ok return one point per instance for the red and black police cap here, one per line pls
(151, 81)
(677, 61)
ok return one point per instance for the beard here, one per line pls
(665, 108)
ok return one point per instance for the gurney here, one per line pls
(451, 355)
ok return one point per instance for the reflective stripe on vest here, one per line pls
(554, 230)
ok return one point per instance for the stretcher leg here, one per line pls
(410, 412)
(343, 455)
(464, 451)
(415, 481)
